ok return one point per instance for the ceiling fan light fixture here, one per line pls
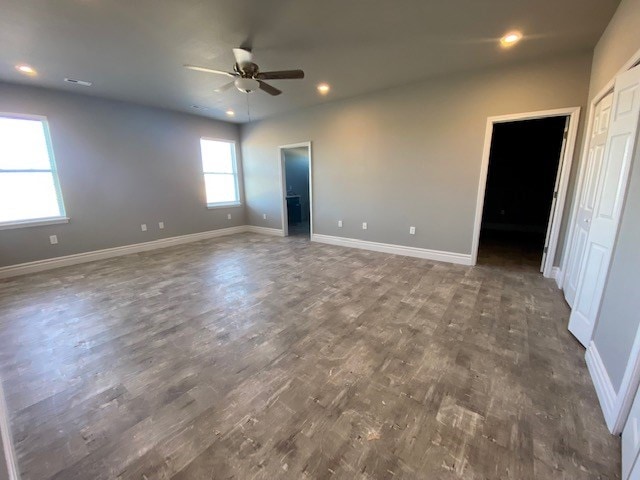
(247, 85)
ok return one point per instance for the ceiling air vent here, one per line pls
(84, 83)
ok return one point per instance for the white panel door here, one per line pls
(555, 195)
(631, 440)
(610, 191)
(587, 197)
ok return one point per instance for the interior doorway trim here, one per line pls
(283, 186)
(615, 406)
(604, 91)
(565, 169)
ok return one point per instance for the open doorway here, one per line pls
(525, 175)
(296, 187)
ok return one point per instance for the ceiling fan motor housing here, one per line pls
(247, 70)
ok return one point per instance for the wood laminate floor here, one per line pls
(255, 357)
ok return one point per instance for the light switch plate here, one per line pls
(264, 216)
(412, 230)
(53, 239)
(143, 227)
(364, 225)
(161, 225)
(340, 223)
(228, 216)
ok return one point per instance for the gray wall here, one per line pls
(620, 40)
(119, 165)
(297, 175)
(620, 309)
(406, 156)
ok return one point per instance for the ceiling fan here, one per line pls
(248, 76)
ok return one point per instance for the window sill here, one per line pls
(213, 206)
(38, 222)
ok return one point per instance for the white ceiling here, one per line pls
(134, 49)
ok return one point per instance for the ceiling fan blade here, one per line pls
(280, 75)
(224, 87)
(209, 70)
(243, 57)
(265, 87)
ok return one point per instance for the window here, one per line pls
(29, 188)
(220, 172)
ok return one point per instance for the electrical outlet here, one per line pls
(412, 230)
(364, 225)
(161, 225)
(143, 227)
(53, 239)
(339, 223)
(228, 216)
(264, 216)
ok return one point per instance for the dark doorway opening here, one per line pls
(296, 172)
(521, 183)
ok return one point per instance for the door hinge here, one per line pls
(555, 194)
(545, 250)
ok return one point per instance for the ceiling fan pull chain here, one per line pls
(248, 110)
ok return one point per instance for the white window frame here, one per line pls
(234, 163)
(32, 222)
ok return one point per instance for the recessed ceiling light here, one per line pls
(323, 88)
(231, 113)
(26, 69)
(510, 39)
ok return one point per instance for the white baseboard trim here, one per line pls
(602, 383)
(68, 260)
(7, 440)
(57, 262)
(557, 275)
(276, 232)
(440, 256)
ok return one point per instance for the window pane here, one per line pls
(23, 145)
(220, 188)
(25, 196)
(216, 156)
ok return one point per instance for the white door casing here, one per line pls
(586, 200)
(283, 186)
(607, 207)
(563, 182)
(631, 439)
(635, 473)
